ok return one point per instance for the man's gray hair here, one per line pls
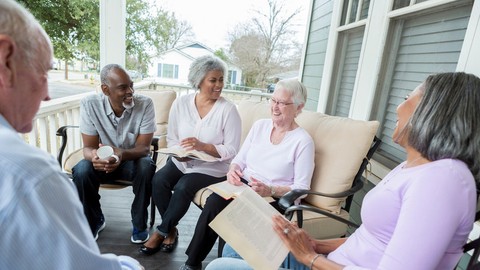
(106, 71)
(446, 123)
(25, 30)
(201, 66)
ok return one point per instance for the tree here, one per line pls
(151, 30)
(168, 32)
(65, 21)
(266, 44)
(74, 28)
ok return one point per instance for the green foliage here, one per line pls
(220, 53)
(74, 28)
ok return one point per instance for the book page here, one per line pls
(182, 153)
(227, 190)
(246, 225)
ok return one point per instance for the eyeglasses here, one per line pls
(280, 103)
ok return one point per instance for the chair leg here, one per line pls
(152, 213)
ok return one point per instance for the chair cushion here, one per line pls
(162, 100)
(72, 160)
(319, 226)
(340, 146)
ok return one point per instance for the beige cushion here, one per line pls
(162, 101)
(340, 146)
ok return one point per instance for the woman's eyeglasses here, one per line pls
(280, 103)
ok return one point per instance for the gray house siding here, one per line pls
(316, 48)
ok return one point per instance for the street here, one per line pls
(76, 84)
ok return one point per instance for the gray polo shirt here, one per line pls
(97, 118)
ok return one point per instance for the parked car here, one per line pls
(270, 88)
(135, 75)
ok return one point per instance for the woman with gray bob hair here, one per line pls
(446, 123)
(201, 66)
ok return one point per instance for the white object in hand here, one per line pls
(104, 152)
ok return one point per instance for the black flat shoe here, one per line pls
(170, 247)
(150, 251)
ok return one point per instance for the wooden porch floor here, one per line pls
(115, 238)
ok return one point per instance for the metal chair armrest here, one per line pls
(289, 198)
(62, 131)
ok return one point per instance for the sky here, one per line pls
(211, 20)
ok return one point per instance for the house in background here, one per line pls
(173, 65)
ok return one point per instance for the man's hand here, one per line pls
(107, 165)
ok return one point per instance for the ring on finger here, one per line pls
(286, 231)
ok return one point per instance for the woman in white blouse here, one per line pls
(202, 121)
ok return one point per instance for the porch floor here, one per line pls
(115, 238)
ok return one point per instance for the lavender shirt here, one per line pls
(415, 218)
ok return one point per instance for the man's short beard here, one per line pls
(128, 106)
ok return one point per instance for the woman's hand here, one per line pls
(234, 174)
(297, 240)
(261, 188)
(192, 143)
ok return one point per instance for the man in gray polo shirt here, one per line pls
(125, 122)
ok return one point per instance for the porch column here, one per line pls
(112, 32)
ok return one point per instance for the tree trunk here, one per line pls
(66, 69)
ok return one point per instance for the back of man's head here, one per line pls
(22, 27)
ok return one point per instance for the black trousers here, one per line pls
(88, 180)
(173, 192)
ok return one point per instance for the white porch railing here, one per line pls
(65, 111)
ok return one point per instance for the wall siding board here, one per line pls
(315, 50)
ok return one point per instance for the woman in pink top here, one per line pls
(419, 216)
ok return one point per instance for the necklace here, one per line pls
(412, 163)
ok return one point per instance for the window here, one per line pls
(349, 47)
(354, 10)
(420, 46)
(348, 52)
(405, 3)
(232, 77)
(167, 71)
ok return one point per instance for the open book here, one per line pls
(178, 151)
(246, 225)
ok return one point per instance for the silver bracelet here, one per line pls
(313, 260)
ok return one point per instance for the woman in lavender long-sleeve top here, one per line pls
(419, 216)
